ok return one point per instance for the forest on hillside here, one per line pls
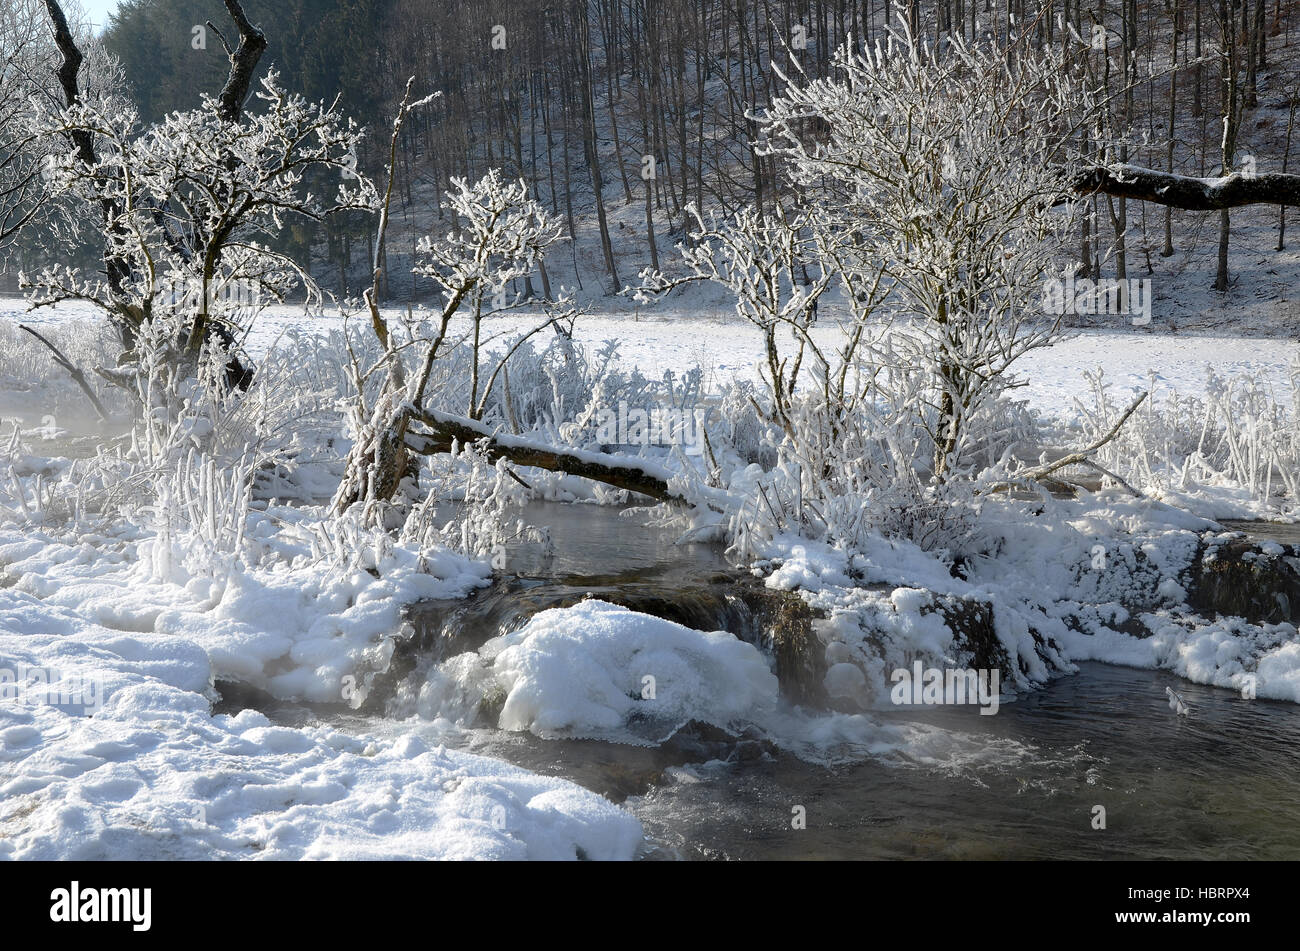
(622, 115)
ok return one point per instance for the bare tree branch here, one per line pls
(75, 373)
(1082, 455)
(1188, 193)
(67, 73)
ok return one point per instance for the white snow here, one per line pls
(599, 669)
(154, 776)
(147, 772)
(727, 348)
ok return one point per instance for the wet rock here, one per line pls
(1257, 581)
(974, 635)
(785, 622)
(698, 742)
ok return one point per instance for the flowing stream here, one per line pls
(1221, 783)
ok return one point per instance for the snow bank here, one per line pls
(131, 764)
(295, 625)
(1259, 660)
(1103, 578)
(153, 776)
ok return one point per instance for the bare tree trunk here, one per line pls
(1286, 155)
(591, 145)
(1230, 95)
(1168, 249)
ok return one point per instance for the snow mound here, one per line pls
(601, 669)
(294, 626)
(154, 777)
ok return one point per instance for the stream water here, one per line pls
(1024, 784)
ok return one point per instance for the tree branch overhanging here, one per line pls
(1187, 192)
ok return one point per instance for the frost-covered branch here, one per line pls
(191, 205)
(764, 261)
(1083, 456)
(935, 179)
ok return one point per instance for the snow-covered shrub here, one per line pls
(940, 181)
(501, 236)
(30, 487)
(845, 479)
(742, 427)
(197, 454)
(198, 516)
(553, 391)
(763, 261)
(1243, 434)
(485, 514)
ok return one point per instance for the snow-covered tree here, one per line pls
(765, 262)
(28, 60)
(949, 173)
(501, 235)
(190, 205)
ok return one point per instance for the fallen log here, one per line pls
(441, 430)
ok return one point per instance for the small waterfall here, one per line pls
(725, 599)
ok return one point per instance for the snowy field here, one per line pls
(727, 348)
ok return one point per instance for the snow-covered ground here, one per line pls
(108, 748)
(669, 339)
(126, 760)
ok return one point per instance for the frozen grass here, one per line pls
(1242, 435)
(25, 362)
